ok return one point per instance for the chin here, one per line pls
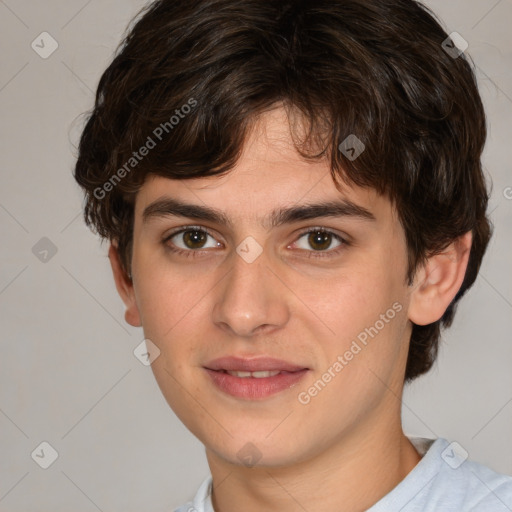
(256, 449)
(254, 455)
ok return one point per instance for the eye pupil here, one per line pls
(194, 236)
(319, 237)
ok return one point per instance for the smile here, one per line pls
(254, 385)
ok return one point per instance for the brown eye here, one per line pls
(320, 240)
(192, 238)
(189, 240)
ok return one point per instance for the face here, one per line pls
(325, 296)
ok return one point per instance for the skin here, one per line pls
(346, 446)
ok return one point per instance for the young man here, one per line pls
(295, 203)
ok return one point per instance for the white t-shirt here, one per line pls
(443, 480)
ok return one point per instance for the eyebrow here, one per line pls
(168, 206)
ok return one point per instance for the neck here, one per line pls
(355, 471)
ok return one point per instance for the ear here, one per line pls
(438, 281)
(124, 287)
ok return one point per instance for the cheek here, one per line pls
(165, 294)
(365, 312)
(173, 307)
(168, 314)
(353, 300)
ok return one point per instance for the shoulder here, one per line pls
(465, 484)
(446, 479)
(202, 500)
(480, 488)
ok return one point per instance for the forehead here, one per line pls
(269, 176)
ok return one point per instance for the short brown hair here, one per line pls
(376, 69)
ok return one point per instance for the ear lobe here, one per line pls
(438, 281)
(124, 287)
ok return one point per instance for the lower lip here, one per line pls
(252, 388)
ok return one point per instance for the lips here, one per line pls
(254, 379)
(260, 364)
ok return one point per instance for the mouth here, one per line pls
(254, 379)
(254, 375)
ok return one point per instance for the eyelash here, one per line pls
(314, 254)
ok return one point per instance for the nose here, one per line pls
(251, 299)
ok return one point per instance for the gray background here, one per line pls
(68, 375)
